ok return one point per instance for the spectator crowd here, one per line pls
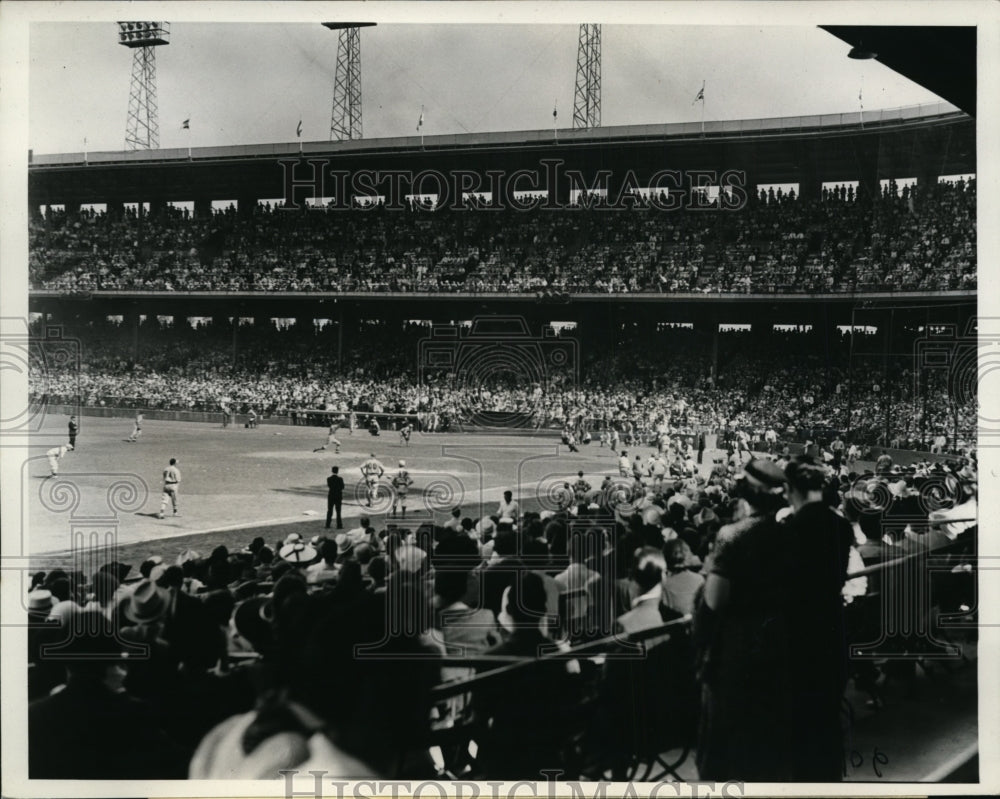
(796, 383)
(910, 239)
(331, 652)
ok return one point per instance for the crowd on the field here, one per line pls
(790, 382)
(916, 238)
(322, 652)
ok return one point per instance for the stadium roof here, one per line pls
(918, 142)
(941, 59)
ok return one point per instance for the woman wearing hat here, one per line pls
(741, 630)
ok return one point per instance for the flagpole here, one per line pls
(861, 104)
(420, 127)
(188, 129)
(85, 150)
(555, 123)
(703, 109)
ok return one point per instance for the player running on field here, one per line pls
(401, 482)
(171, 484)
(404, 434)
(54, 455)
(331, 439)
(136, 428)
(614, 441)
(372, 471)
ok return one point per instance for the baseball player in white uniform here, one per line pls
(171, 484)
(372, 472)
(401, 482)
(54, 455)
(136, 428)
(331, 439)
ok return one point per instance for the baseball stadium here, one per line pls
(622, 452)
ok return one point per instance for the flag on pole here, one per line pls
(700, 95)
(420, 122)
(555, 113)
(298, 130)
(186, 124)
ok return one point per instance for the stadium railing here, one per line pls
(867, 622)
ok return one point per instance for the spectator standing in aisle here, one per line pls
(820, 544)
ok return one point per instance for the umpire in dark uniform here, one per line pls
(334, 497)
(74, 428)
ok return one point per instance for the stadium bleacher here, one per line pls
(908, 239)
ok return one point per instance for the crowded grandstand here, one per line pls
(762, 433)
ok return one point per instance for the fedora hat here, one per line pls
(344, 543)
(147, 603)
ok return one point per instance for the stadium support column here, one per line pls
(157, 207)
(116, 209)
(715, 347)
(245, 204)
(928, 153)
(887, 319)
(866, 151)
(557, 186)
(132, 325)
(202, 207)
(707, 325)
(340, 338)
(810, 183)
(72, 209)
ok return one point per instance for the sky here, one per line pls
(251, 83)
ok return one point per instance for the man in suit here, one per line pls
(648, 577)
(334, 497)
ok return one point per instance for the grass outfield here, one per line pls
(239, 483)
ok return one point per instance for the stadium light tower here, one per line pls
(345, 116)
(142, 131)
(587, 99)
